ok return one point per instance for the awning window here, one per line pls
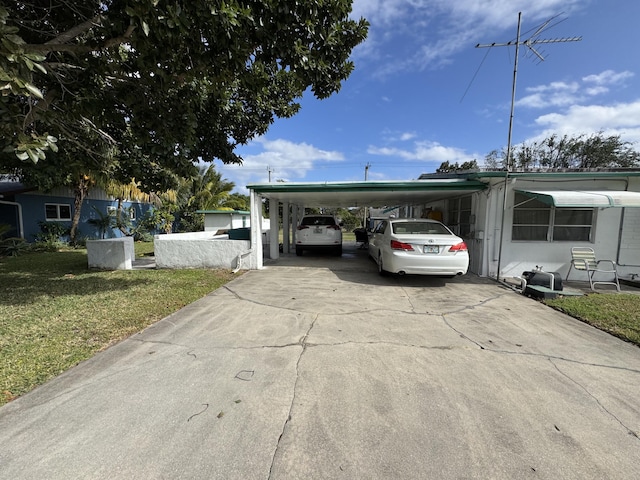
(585, 199)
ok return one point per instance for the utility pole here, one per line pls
(529, 43)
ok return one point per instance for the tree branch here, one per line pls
(59, 44)
(77, 30)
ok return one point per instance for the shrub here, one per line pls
(52, 232)
(12, 246)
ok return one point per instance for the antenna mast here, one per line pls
(529, 43)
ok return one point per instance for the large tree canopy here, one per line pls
(157, 84)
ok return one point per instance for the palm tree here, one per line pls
(131, 191)
(206, 190)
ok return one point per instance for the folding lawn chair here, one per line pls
(584, 259)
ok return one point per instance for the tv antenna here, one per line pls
(530, 44)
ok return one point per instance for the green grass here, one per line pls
(618, 314)
(54, 312)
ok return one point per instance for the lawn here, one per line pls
(616, 313)
(54, 312)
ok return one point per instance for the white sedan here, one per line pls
(418, 246)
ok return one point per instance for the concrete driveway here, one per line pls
(317, 368)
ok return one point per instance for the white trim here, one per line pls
(20, 222)
(58, 217)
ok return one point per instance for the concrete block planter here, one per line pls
(111, 253)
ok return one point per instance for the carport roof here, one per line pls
(370, 193)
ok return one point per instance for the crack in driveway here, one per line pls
(303, 343)
(597, 400)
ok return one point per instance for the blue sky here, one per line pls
(422, 94)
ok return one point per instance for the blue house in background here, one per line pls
(23, 208)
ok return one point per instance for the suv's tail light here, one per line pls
(459, 247)
(302, 227)
(396, 245)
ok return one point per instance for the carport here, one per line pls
(294, 197)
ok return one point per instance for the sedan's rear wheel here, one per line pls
(298, 251)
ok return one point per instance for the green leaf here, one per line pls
(15, 39)
(35, 91)
(145, 28)
(29, 64)
(33, 156)
(40, 67)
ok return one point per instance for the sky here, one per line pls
(422, 93)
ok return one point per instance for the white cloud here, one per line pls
(619, 119)
(561, 94)
(442, 28)
(608, 77)
(287, 161)
(555, 94)
(594, 91)
(391, 136)
(407, 136)
(424, 151)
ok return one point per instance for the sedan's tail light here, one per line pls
(458, 247)
(302, 227)
(396, 245)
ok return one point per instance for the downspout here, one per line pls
(504, 210)
(20, 223)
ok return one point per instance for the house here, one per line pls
(511, 221)
(25, 209)
(215, 220)
(528, 219)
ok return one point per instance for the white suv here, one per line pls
(319, 231)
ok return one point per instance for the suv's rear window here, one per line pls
(318, 221)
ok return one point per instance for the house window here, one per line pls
(131, 211)
(460, 219)
(57, 211)
(534, 220)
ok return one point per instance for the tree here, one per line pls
(578, 152)
(165, 83)
(130, 191)
(206, 190)
(446, 167)
(67, 167)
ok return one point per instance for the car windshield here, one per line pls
(318, 221)
(420, 228)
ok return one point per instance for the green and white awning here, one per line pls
(585, 199)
